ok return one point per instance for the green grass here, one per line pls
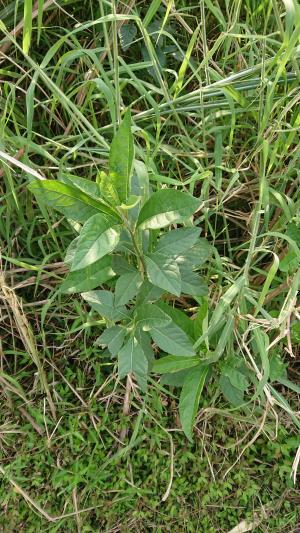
(214, 92)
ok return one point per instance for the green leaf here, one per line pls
(113, 338)
(89, 187)
(177, 241)
(148, 293)
(176, 379)
(196, 256)
(68, 260)
(107, 189)
(132, 359)
(190, 396)
(172, 340)
(103, 303)
(179, 318)
(231, 394)
(236, 378)
(89, 277)
(173, 363)
(149, 316)
(97, 239)
(163, 272)
(69, 200)
(27, 28)
(127, 34)
(277, 368)
(127, 287)
(191, 283)
(121, 266)
(165, 207)
(121, 159)
(145, 341)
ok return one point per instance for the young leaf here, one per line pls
(107, 189)
(103, 303)
(89, 277)
(163, 272)
(190, 396)
(97, 239)
(165, 207)
(121, 159)
(113, 338)
(173, 363)
(68, 200)
(149, 316)
(132, 359)
(127, 287)
(172, 340)
(177, 241)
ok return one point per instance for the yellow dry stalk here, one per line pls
(10, 298)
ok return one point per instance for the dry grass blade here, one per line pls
(11, 300)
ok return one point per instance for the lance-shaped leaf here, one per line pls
(165, 207)
(127, 287)
(190, 396)
(177, 241)
(196, 256)
(163, 272)
(121, 159)
(103, 303)
(97, 239)
(132, 359)
(173, 363)
(172, 339)
(88, 278)
(88, 186)
(113, 338)
(68, 200)
(149, 315)
(192, 283)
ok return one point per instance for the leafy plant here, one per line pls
(144, 249)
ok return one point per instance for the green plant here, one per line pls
(145, 247)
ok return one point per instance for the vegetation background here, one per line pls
(213, 88)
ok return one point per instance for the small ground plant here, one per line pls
(144, 249)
